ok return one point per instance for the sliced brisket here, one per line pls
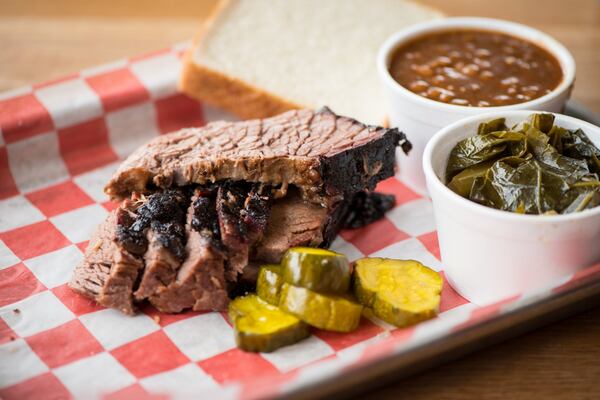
(109, 271)
(325, 155)
(293, 222)
(243, 214)
(200, 281)
(163, 216)
(234, 235)
(256, 212)
(204, 206)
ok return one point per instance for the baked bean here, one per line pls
(502, 98)
(445, 98)
(483, 53)
(418, 86)
(441, 61)
(486, 75)
(423, 70)
(532, 88)
(470, 69)
(434, 92)
(482, 63)
(438, 79)
(454, 55)
(475, 68)
(460, 102)
(453, 74)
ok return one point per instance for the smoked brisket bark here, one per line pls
(326, 156)
(367, 207)
(243, 214)
(200, 281)
(163, 216)
(109, 271)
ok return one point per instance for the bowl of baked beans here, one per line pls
(437, 72)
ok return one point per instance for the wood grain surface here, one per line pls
(42, 40)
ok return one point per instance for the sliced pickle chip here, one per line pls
(268, 284)
(400, 292)
(316, 269)
(328, 312)
(262, 327)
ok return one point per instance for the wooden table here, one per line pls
(42, 40)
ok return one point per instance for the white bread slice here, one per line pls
(258, 58)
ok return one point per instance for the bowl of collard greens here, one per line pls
(516, 197)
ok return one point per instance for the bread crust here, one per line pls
(229, 93)
(225, 92)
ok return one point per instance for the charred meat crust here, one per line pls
(164, 213)
(160, 220)
(256, 212)
(243, 214)
(361, 168)
(200, 282)
(367, 207)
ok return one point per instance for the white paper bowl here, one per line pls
(420, 118)
(491, 254)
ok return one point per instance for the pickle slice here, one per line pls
(262, 327)
(268, 284)
(316, 269)
(328, 312)
(401, 292)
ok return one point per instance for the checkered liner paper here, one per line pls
(59, 143)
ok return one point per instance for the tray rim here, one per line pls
(455, 344)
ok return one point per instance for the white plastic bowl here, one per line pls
(420, 118)
(491, 254)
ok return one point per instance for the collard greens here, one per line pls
(534, 167)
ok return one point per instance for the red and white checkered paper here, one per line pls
(59, 143)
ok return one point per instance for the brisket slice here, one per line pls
(256, 212)
(166, 214)
(108, 272)
(188, 269)
(161, 268)
(243, 215)
(293, 222)
(200, 281)
(325, 155)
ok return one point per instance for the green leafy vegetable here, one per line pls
(494, 125)
(533, 168)
(477, 149)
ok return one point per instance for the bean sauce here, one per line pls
(475, 68)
